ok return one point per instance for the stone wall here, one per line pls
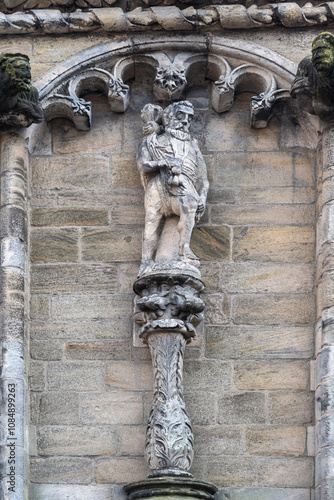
(249, 376)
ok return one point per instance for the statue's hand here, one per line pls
(151, 128)
(200, 210)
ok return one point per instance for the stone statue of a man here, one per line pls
(174, 177)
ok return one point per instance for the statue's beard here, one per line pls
(178, 134)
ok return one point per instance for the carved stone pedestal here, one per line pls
(172, 488)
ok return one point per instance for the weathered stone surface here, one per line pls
(132, 439)
(111, 408)
(129, 376)
(287, 441)
(260, 277)
(46, 349)
(74, 492)
(273, 374)
(13, 222)
(128, 214)
(86, 376)
(73, 278)
(104, 350)
(226, 132)
(70, 172)
(11, 279)
(81, 330)
(217, 308)
(258, 342)
(61, 470)
(291, 407)
(207, 375)
(40, 307)
(254, 170)
(121, 164)
(106, 135)
(277, 243)
(211, 243)
(59, 408)
(218, 440)
(277, 195)
(227, 471)
(201, 407)
(83, 307)
(120, 470)
(262, 214)
(270, 494)
(287, 472)
(76, 441)
(274, 309)
(69, 217)
(242, 408)
(121, 244)
(37, 375)
(54, 245)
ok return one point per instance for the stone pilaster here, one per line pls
(13, 164)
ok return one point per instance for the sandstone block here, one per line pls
(276, 243)
(258, 342)
(232, 471)
(13, 188)
(11, 279)
(128, 214)
(120, 470)
(106, 135)
(242, 408)
(73, 376)
(46, 349)
(132, 439)
(230, 131)
(81, 330)
(262, 214)
(287, 472)
(218, 440)
(121, 164)
(59, 408)
(207, 375)
(69, 217)
(13, 222)
(258, 277)
(111, 408)
(273, 374)
(221, 196)
(274, 309)
(76, 441)
(287, 441)
(74, 492)
(201, 407)
(270, 494)
(211, 243)
(263, 195)
(104, 350)
(70, 172)
(39, 307)
(252, 170)
(73, 278)
(291, 407)
(37, 375)
(217, 308)
(121, 244)
(129, 376)
(91, 307)
(61, 470)
(54, 245)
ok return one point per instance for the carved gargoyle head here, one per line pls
(323, 54)
(15, 73)
(170, 82)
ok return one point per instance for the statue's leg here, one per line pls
(152, 222)
(188, 207)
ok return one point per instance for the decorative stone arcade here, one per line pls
(168, 307)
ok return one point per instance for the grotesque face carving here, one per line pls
(16, 67)
(323, 53)
(170, 78)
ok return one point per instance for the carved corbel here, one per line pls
(76, 109)
(246, 77)
(262, 107)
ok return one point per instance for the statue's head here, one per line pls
(178, 116)
(323, 53)
(17, 68)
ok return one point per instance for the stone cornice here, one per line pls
(217, 17)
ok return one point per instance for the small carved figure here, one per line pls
(174, 177)
(170, 83)
(313, 86)
(17, 95)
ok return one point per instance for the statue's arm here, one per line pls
(145, 162)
